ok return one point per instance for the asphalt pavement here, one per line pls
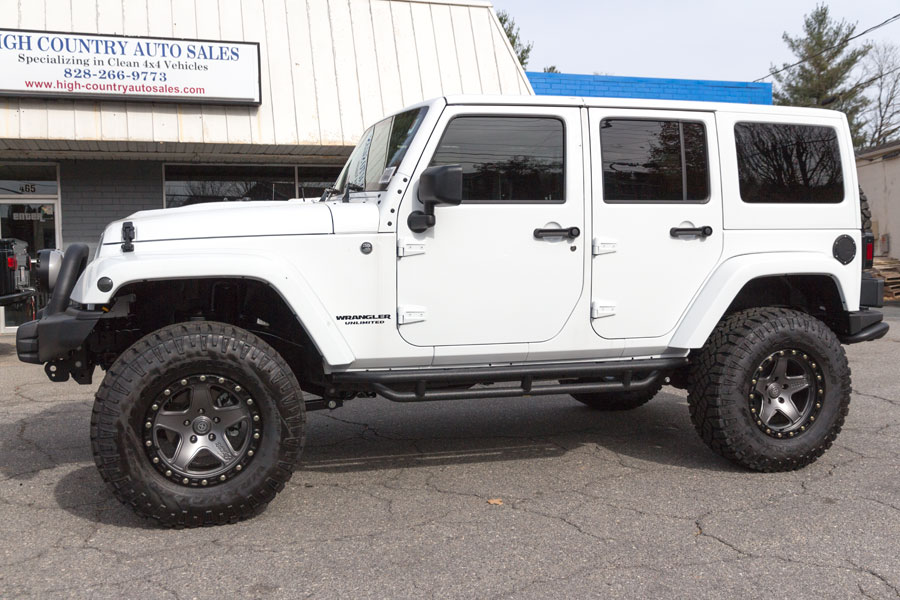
(517, 498)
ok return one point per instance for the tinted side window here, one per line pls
(654, 161)
(508, 159)
(785, 163)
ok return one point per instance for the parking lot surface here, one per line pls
(518, 498)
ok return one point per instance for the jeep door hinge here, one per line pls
(603, 246)
(407, 248)
(602, 308)
(411, 314)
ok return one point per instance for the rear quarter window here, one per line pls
(785, 163)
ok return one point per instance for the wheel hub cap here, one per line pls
(202, 425)
(202, 430)
(786, 393)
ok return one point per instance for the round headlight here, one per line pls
(48, 264)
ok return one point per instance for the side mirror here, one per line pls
(437, 185)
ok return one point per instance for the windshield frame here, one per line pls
(398, 145)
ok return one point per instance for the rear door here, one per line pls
(657, 217)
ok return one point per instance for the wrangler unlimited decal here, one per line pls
(363, 319)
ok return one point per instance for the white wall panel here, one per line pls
(448, 60)
(465, 49)
(283, 111)
(386, 51)
(329, 68)
(113, 118)
(165, 115)
(366, 62)
(138, 115)
(60, 113)
(32, 113)
(9, 107)
(509, 79)
(426, 52)
(190, 116)
(325, 75)
(410, 81)
(345, 68)
(484, 51)
(237, 118)
(206, 15)
(302, 77)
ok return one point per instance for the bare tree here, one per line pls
(883, 115)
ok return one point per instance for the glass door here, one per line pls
(29, 207)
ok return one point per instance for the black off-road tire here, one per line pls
(130, 393)
(721, 380)
(865, 211)
(607, 401)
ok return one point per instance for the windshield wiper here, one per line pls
(328, 193)
(350, 187)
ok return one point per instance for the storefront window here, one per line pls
(197, 184)
(312, 181)
(28, 211)
(18, 181)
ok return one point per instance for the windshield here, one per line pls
(380, 151)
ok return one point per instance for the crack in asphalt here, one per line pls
(370, 514)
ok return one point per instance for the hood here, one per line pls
(245, 219)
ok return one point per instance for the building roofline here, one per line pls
(660, 80)
(877, 151)
(478, 3)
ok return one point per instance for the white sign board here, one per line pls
(75, 65)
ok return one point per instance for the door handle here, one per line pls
(566, 232)
(701, 232)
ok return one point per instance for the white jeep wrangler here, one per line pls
(592, 247)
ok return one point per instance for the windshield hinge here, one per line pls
(127, 237)
(407, 248)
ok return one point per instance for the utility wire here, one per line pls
(834, 99)
(838, 45)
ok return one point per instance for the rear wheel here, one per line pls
(198, 424)
(614, 401)
(770, 389)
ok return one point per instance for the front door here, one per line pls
(28, 215)
(484, 274)
(657, 217)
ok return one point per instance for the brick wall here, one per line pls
(95, 192)
(565, 84)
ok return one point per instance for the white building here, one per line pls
(113, 106)
(879, 176)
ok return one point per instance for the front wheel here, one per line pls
(198, 424)
(770, 389)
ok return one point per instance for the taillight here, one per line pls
(12, 263)
(869, 250)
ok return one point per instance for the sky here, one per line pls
(734, 40)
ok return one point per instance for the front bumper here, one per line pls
(61, 328)
(54, 336)
(16, 297)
